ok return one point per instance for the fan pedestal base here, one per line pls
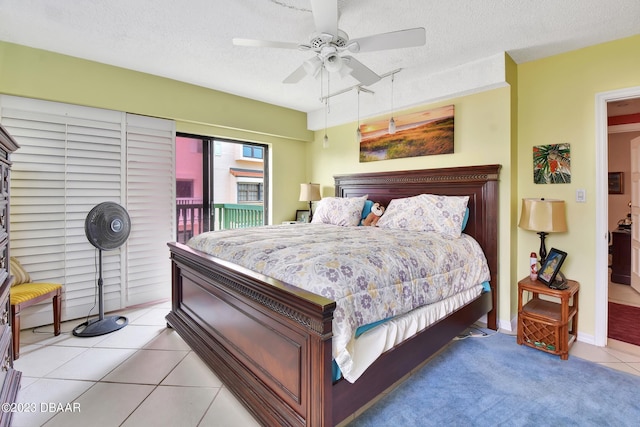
(96, 327)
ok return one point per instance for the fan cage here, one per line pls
(107, 226)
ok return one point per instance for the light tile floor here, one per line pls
(145, 375)
(141, 375)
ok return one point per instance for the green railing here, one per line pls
(225, 216)
(233, 215)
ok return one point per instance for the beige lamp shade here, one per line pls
(309, 192)
(547, 215)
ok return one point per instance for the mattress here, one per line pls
(372, 273)
(367, 346)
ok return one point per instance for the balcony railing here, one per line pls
(225, 216)
(232, 215)
(189, 214)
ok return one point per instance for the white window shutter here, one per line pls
(151, 205)
(70, 159)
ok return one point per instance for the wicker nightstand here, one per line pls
(547, 325)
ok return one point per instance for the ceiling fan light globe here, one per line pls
(333, 63)
(312, 66)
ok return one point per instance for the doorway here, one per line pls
(602, 202)
(220, 184)
(623, 291)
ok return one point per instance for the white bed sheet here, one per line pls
(370, 345)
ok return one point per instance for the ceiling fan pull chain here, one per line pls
(328, 91)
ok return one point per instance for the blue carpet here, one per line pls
(493, 381)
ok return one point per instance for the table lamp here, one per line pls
(543, 216)
(310, 193)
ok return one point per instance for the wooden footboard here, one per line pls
(270, 343)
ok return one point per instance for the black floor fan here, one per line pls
(107, 227)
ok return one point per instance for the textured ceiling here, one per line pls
(190, 40)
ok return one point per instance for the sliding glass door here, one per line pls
(220, 184)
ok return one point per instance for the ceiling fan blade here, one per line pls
(360, 72)
(393, 40)
(325, 16)
(266, 43)
(297, 75)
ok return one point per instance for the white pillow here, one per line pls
(345, 211)
(426, 212)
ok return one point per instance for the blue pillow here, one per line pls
(465, 219)
(366, 210)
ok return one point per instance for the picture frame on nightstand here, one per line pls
(302, 215)
(550, 269)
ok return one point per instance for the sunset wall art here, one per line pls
(424, 133)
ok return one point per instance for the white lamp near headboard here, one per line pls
(310, 193)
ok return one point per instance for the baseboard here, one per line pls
(509, 326)
(586, 338)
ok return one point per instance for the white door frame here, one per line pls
(602, 207)
(635, 213)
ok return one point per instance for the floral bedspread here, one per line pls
(371, 273)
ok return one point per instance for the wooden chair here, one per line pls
(24, 293)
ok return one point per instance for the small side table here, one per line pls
(547, 325)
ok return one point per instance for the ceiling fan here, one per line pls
(331, 45)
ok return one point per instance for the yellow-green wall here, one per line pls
(35, 73)
(557, 105)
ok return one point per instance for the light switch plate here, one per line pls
(581, 195)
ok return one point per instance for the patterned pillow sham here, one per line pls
(427, 212)
(344, 211)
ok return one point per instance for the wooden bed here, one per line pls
(270, 343)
